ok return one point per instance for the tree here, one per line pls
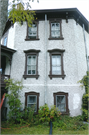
(13, 87)
(20, 12)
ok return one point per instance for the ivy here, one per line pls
(85, 98)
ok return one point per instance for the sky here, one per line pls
(81, 5)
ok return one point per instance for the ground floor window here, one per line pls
(32, 99)
(61, 101)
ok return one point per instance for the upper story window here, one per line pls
(31, 64)
(32, 32)
(56, 63)
(4, 39)
(55, 30)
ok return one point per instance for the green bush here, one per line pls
(14, 88)
(46, 115)
(69, 123)
(85, 98)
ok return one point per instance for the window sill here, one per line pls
(61, 38)
(30, 76)
(27, 39)
(65, 113)
(57, 76)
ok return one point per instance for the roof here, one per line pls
(66, 13)
(6, 49)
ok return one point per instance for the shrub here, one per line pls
(46, 115)
(85, 98)
(14, 87)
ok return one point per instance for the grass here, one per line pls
(39, 129)
(62, 125)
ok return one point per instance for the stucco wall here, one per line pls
(74, 61)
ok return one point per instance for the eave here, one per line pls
(66, 13)
(7, 50)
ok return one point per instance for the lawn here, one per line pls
(40, 129)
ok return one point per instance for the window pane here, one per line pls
(53, 34)
(58, 60)
(54, 70)
(52, 26)
(58, 70)
(28, 69)
(33, 62)
(62, 108)
(5, 41)
(53, 60)
(29, 60)
(33, 106)
(60, 99)
(32, 99)
(33, 69)
(57, 26)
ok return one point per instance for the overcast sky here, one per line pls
(82, 5)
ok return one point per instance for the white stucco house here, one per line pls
(48, 57)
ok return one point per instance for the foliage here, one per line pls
(27, 115)
(45, 114)
(62, 125)
(69, 123)
(85, 98)
(14, 87)
(19, 14)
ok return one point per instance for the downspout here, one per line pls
(45, 94)
(85, 48)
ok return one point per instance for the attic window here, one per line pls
(55, 30)
(32, 32)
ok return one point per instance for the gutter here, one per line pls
(45, 82)
(87, 60)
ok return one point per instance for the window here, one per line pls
(61, 102)
(32, 100)
(32, 32)
(56, 63)
(55, 30)
(31, 64)
(5, 41)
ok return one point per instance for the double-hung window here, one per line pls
(55, 29)
(56, 63)
(32, 32)
(61, 101)
(32, 100)
(31, 64)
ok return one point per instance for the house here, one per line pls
(48, 57)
